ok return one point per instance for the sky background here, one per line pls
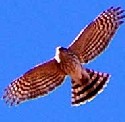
(30, 30)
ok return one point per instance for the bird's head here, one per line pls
(60, 52)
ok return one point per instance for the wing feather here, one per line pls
(36, 82)
(96, 36)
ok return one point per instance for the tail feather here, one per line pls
(86, 92)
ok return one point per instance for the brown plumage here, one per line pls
(86, 83)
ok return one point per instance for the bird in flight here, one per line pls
(86, 83)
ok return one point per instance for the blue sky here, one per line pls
(30, 30)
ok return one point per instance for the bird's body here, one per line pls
(70, 64)
(86, 83)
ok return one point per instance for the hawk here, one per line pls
(86, 83)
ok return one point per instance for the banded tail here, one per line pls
(87, 92)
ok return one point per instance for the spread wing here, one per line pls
(96, 36)
(36, 82)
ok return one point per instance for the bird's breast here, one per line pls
(71, 65)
